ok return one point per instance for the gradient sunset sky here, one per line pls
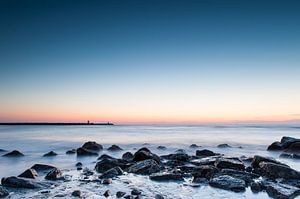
(150, 61)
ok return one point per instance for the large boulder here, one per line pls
(282, 191)
(294, 147)
(286, 143)
(145, 154)
(258, 159)
(274, 171)
(166, 177)
(228, 183)
(128, 156)
(54, 174)
(204, 171)
(16, 182)
(92, 146)
(42, 167)
(224, 163)
(85, 152)
(3, 192)
(144, 167)
(14, 153)
(29, 173)
(205, 153)
(275, 146)
(111, 173)
(108, 163)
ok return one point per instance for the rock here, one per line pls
(42, 167)
(105, 156)
(275, 146)
(204, 171)
(54, 174)
(72, 151)
(29, 173)
(205, 153)
(3, 192)
(106, 193)
(294, 147)
(173, 163)
(145, 154)
(274, 171)
(243, 175)
(180, 151)
(257, 159)
(114, 148)
(194, 146)
(145, 167)
(2, 150)
(228, 183)
(106, 181)
(158, 196)
(256, 187)
(76, 193)
(85, 152)
(16, 182)
(135, 192)
(224, 146)
(14, 153)
(187, 168)
(161, 147)
(106, 164)
(128, 156)
(111, 173)
(51, 153)
(166, 177)
(177, 156)
(92, 146)
(87, 172)
(205, 161)
(282, 191)
(120, 194)
(290, 155)
(78, 164)
(224, 163)
(287, 141)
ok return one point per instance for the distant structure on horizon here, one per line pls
(54, 123)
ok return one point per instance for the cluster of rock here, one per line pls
(290, 147)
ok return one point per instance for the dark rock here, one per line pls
(128, 197)
(92, 146)
(14, 153)
(194, 146)
(275, 146)
(76, 193)
(2, 150)
(42, 167)
(145, 167)
(45, 192)
(204, 171)
(290, 155)
(257, 159)
(114, 148)
(243, 175)
(256, 187)
(16, 182)
(120, 194)
(166, 177)
(205, 153)
(294, 147)
(106, 164)
(105, 156)
(228, 183)
(249, 169)
(174, 163)
(224, 163)
(287, 141)
(87, 172)
(145, 154)
(106, 193)
(177, 156)
(180, 151)
(224, 146)
(282, 191)
(78, 164)
(161, 147)
(3, 192)
(54, 174)
(274, 171)
(106, 181)
(111, 173)
(72, 151)
(51, 153)
(205, 161)
(128, 156)
(135, 192)
(187, 168)
(29, 173)
(85, 152)
(158, 196)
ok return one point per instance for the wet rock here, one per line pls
(228, 183)
(14, 153)
(256, 187)
(287, 144)
(205, 153)
(42, 167)
(290, 155)
(158, 196)
(105, 156)
(161, 147)
(145, 154)
(274, 171)
(3, 192)
(224, 163)
(294, 147)
(180, 151)
(166, 177)
(106, 164)
(145, 167)
(258, 159)
(87, 172)
(187, 168)
(72, 151)
(106, 181)
(120, 194)
(106, 193)
(173, 163)
(246, 176)
(204, 171)
(111, 173)
(92, 146)
(114, 148)
(275, 146)
(128, 156)
(54, 174)
(16, 182)
(282, 191)
(51, 153)
(193, 146)
(287, 141)
(85, 152)
(78, 164)
(29, 173)
(249, 169)
(224, 146)
(177, 156)
(135, 192)
(128, 197)
(76, 193)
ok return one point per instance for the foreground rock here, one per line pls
(204, 171)
(258, 159)
(76, 193)
(166, 177)
(3, 192)
(92, 146)
(54, 174)
(108, 163)
(282, 191)
(29, 173)
(16, 182)
(243, 175)
(14, 153)
(145, 154)
(274, 171)
(228, 183)
(145, 167)
(111, 173)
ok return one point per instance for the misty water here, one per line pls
(34, 141)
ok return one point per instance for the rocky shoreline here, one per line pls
(204, 168)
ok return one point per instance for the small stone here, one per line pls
(136, 192)
(107, 181)
(194, 146)
(114, 148)
(14, 153)
(224, 146)
(78, 164)
(256, 187)
(158, 196)
(205, 153)
(49, 154)
(161, 147)
(72, 151)
(120, 194)
(106, 193)
(76, 193)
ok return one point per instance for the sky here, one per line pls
(151, 61)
